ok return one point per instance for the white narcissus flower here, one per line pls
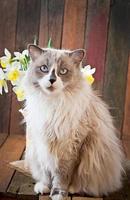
(14, 74)
(3, 84)
(21, 56)
(5, 60)
(87, 74)
(25, 52)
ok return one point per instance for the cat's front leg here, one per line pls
(40, 175)
(67, 161)
(60, 184)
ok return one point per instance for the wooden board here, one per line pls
(43, 29)
(74, 24)
(96, 36)
(3, 197)
(8, 13)
(44, 197)
(56, 11)
(126, 145)
(48, 198)
(27, 30)
(126, 123)
(11, 150)
(21, 185)
(51, 22)
(28, 20)
(116, 59)
(86, 198)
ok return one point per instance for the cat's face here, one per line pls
(52, 70)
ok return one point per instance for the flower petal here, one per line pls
(5, 87)
(2, 75)
(87, 67)
(17, 54)
(7, 53)
(1, 90)
(4, 61)
(92, 71)
(25, 52)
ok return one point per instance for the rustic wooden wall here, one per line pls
(100, 26)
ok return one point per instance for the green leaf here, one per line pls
(49, 45)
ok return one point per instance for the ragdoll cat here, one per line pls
(71, 140)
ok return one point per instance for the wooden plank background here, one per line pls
(101, 27)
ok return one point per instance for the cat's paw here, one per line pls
(58, 194)
(41, 188)
(58, 197)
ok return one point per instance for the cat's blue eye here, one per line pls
(44, 69)
(63, 71)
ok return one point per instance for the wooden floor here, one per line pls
(14, 185)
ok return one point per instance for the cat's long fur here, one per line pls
(72, 143)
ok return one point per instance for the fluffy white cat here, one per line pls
(72, 144)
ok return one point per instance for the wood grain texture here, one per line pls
(3, 137)
(126, 123)
(45, 197)
(21, 185)
(3, 197)
(11, 150)
(51, 22)
(27, 29)
(74, 24)
(86, 198)
(116, 59)
(8, 13)
(44, 28)
(96, 36)
(126, 145)
(27, 22)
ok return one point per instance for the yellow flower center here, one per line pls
(20, 94)
(13, 75)
(5, 62)
(89, 79)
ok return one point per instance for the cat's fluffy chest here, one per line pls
(50, 120)
(53, 117)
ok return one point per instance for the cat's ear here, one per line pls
(34, 51)
(77, 55)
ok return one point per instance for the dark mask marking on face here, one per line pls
(53, 76)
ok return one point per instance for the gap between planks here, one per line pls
(3, 137)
